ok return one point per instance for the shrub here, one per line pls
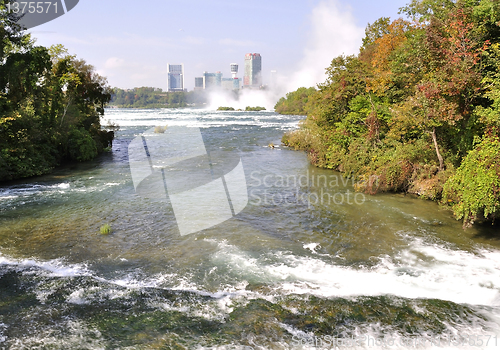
(474, 191)
(295, 102)
(301, 139)
(81, 146)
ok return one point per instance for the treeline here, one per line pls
(50, 105)
(295, 102)
(149, 97)
(417, 110)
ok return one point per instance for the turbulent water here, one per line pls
(307, 264)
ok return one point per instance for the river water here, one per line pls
(306, 264)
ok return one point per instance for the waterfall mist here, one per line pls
(332, 32)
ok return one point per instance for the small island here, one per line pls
(225, 109)
(254, 109)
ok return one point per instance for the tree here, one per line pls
(424, 10)
(346, 78)
(296, 102)
(49, 102)
(452, 83)
(383, 48)
(474, 191)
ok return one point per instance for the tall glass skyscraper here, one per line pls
(175, 77)
(253, 70)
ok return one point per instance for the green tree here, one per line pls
(474, 191)
(296, 102)
(49, 102)
(420, 93)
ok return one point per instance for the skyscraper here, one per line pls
(234, 70)
(212, 80)
(175, 77)
(253, 68)
(199, 83)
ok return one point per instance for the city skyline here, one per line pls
(252, 77)
(208, 36)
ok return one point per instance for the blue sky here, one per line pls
(130, 43)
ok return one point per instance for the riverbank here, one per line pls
(400, 123)
(405, 168)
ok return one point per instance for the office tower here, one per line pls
(175, 77)
(209, 80)
(199, 83)
(230, 83)
(234, 70)
(253, 68)
(227, 84)
(212, 80)
(218, 79)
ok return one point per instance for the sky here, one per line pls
(131, 42)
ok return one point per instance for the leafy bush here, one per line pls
(255, 109)
(295, 102)
(81, 146)
(405, 112)
(474, 191)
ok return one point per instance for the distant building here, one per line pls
(234, 70)
(209, 80)
(199, 83)
(175, 77)
(231, 83)
(212, 80)
(218, 79)
(253, 68)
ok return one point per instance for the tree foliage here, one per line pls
(406, 111)
(149, 97)
(50, 105)
(296, 102)
(474, 191)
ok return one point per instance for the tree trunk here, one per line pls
(65, 110)
(441, 164)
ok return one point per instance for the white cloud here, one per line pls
(114, 62)
(129, 74)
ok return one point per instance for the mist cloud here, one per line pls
(333, 32)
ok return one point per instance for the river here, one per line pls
(307, 263)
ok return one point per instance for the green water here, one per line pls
(306, 264)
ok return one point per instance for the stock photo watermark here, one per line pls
(324, 342)
(367, 341)
(306, 189)
(29, 14)
(206, 188)
(203, 189)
